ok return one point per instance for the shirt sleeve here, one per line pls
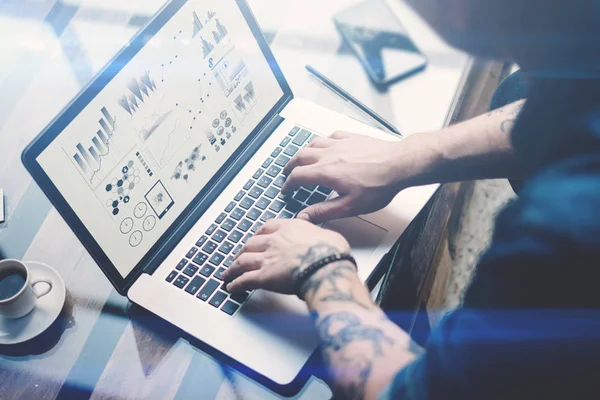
(530, 324)
(513, 88)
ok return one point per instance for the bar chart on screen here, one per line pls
(97, 154)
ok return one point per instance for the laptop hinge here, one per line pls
(214, 192)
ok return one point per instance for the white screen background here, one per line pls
(136, 156)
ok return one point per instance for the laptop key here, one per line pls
(286, 140)
(310, 188)
(279, 181)
(249, 185)
(258, 173)
(264, 182)
(207, 270)
(201, 241)
(244, 225)
(200, 258)
(267, 162)
(316, 198)
(238, 214)
(216, 259)
(256, 227)
(219, 236)
(226, 248)
(273, 171)
(224, 287)
(219, 273)
(221, 218)
(228, 225)
(253, 214)
(192, 252)
(246, 238)
(267, 215)
(190, 270)
(218, 299)
(272, 192)
(230, 307)
(237, 249)
(282, 160)
(263, 203)
(291, 150)
(172, 276)
(301, 195)
(181, 264)
(276, 152)
(293, 206)
(211, 229)
(301, 137)
(247, 203)
(209, 247)
(277, 206)
(194, 285)
(230, 207)
(286, 215)
(240, 297)
(255, 192)
(181, 281)
(294, 131)
(208, 290)
(228, 262)
(235, 236)
(239, 196)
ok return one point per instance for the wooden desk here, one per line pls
(423, 260)
(101, 346)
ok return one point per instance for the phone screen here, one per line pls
(380, 42)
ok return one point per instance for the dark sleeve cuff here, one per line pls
(513, 88)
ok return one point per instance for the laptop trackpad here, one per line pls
(363, 236)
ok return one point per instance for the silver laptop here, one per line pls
(170, 160)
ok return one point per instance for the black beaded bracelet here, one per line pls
(317, 265)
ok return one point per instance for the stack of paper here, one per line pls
(1, 206)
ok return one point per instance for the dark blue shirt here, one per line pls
(530, 323)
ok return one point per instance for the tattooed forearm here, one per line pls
(362, 348)
(339, 332)
(349, 329)
(508, 124)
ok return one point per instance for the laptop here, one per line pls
(172, 158)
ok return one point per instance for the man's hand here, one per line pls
(367, 173)
(280, 250)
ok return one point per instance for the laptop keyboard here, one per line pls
(260, 199)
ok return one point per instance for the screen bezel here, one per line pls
(87, 94)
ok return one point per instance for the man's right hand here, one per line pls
(367, 173)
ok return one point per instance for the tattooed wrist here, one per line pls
(327, 275)
(335, 282)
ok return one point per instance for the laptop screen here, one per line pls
(134, 159)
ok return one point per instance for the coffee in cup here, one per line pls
(17, 297)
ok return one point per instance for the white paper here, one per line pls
(1, 206)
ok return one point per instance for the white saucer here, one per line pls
(47, 308)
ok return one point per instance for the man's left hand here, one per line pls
(278, 252)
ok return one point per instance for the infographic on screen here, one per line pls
(132, 161)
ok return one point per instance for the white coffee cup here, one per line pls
(23, 302)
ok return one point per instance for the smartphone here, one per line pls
(380, 42)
